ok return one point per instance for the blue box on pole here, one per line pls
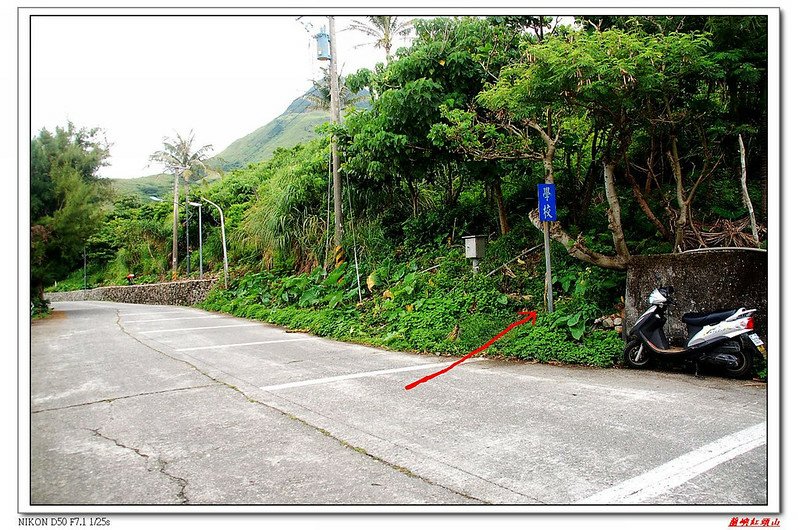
(546, 203)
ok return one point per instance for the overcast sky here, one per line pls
(141, 78)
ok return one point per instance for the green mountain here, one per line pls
(159, 185)
(155, 185)
(297, 124)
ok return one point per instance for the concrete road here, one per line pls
(137, 404)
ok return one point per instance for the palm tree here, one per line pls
(319, 95)
(177, 158)
(383, 29)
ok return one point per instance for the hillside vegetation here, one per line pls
(150, 185)
(287, 130)
(640, 122)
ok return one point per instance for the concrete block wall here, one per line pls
(188, 292)
(707, 280)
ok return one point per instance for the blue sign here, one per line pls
(546, 203)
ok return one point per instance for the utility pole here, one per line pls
(175, 230)
(335, 117)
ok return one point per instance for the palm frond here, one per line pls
(383, 29)
(178, 156)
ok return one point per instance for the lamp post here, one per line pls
(224, 242)
(200, 224)
(188, 249)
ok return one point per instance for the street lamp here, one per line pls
(200, 223)
(224, 243)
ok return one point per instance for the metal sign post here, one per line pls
(547, 213)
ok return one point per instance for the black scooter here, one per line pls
(725, 338)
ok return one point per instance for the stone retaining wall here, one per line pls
(707, 280)
(187, 292)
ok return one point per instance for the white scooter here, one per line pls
(725, 338)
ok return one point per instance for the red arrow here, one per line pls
(529, 317)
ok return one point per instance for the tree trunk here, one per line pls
(37, 293)
(764, 167)
(614, 211)
(644, 204)
(412, 190)
(576, 247)
(504, 225)
(549, 155)
(589, 181)
(551, 143)
(745, 191)
(682, 205)
(764, 201)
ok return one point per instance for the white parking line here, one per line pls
(203, 327)
(358, 375)
(682, 469)
(174, 318)
(154, 313)
(243, 344)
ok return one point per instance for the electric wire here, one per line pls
(354, 242)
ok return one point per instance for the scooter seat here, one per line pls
(705, 319)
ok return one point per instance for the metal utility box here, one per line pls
(322, 45)
(475, 246)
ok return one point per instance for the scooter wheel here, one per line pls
(636, 355)
(743, 368)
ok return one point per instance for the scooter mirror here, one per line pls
(668, 292)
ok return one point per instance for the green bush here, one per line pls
(546, 344)
(446, 310)
(40, 308)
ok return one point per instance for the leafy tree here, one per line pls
(390, 146)
(537, 23)
(81, 149)
(66, 201)
(729, 100)
(134, 238)
(613, 79)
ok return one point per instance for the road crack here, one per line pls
(113, 399)
(322, 431)
(152, 463)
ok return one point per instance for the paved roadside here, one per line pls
(157, 404)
